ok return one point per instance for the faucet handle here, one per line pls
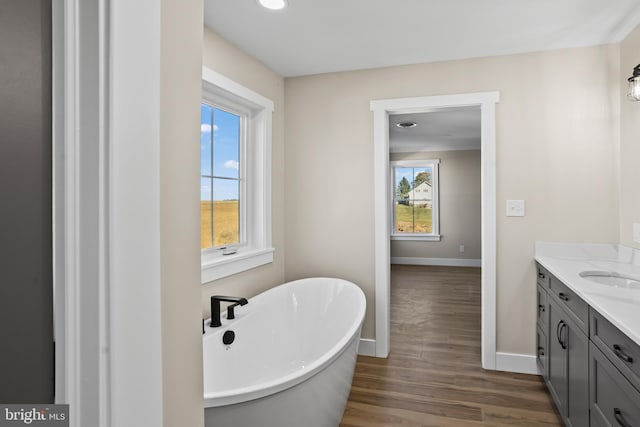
(231, 312)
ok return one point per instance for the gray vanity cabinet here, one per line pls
(591, 368)
(568, 364)
(563, 347)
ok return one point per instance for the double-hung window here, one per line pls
(414, 201)
(235, 178)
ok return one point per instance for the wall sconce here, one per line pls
(634, 85)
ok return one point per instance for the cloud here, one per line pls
(231, 164)
(206, 128)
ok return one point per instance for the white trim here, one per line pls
(134, 265)
(106, 170)
(256, 248)
(381, 110)
(417, 237)
(367, 347)
(382, 229)
(520, 363)
(451, 262)
(236, 263)
(79, 205)
(235, 89)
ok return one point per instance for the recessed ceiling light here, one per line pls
(405, 125)
(273, 4)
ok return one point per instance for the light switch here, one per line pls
(636, 232)
(515, 207)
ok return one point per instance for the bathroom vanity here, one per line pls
(588, 332)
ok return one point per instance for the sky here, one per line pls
(223, 128)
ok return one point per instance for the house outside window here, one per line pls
(235, 178)
(415, 200)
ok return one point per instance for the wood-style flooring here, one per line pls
(433, 376)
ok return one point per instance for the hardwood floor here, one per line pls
(433, 376)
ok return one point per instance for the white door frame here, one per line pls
(381, 110)
(107, 270)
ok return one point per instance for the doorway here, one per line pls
(382, 109)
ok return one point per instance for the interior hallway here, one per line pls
(433, 376)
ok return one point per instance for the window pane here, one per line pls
(412, 217)
(226, 212)
(206, 139)
(226, 145)
(403, 180)
(206, 212)
(404, 217)
(422, 218)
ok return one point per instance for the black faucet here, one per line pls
(215, 308)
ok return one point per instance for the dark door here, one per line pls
(26, 291)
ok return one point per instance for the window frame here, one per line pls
(255, 246)
(434, 164)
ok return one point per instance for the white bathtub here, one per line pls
(292, 360)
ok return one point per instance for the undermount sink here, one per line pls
(611, 278)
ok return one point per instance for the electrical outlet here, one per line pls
(515, 207)
(461, 248)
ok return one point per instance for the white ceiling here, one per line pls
(445, 129)
(319, 36)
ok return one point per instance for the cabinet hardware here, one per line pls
(563, 296)
(619, 418)
(541, 351)
(541, 276)
(541, 308)
(618, 351)
(559, 328)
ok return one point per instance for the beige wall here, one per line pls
(180, 93)
(226, 59)
(629, 143)
(460, 217)
(556, 149)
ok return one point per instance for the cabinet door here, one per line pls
(577, 344)
(543, 315)
(557, 358)
(614, 401)
(542, 354)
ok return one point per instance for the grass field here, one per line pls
(410, 219)
(225, 223)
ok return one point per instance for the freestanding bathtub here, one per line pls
(291, 363)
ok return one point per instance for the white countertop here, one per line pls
(621, 306)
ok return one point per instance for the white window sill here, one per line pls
(417, 237)
(218, 266)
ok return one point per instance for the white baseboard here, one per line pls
(508, 362)
(520, 363)
(450, 262)
(367, 347)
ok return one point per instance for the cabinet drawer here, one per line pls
(623, 352)
(543, 276)
(541, 353)
(574, 304)
(543, 310)
(613, 400)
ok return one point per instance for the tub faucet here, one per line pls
(215, 308)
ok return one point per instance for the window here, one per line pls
(220, 182)
(235, 178)
(415, 200)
